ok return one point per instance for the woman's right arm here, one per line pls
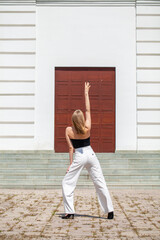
(70, 146)
(87, 104)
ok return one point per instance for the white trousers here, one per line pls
(85, 157)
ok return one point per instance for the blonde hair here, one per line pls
(78, 121)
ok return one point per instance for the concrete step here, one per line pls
(59, 171)
(56, 186)
(64, 166)
(80, 180)
(57, 180)
(79, 183)
(83, 177)
(46, 169)
(66, 161)
(82, 186)
(52, 155)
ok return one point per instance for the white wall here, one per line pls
(86, 36)
(148, 77)
(17, 77)
(78, 36)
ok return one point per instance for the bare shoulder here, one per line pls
(68, 130)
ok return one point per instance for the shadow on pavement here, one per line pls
(81, 215)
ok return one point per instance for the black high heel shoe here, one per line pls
(110, 215)
(71, 216)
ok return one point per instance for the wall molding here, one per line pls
(82, 2)
(11, 122)
(110, 3)
(148, 2)
(18, 2)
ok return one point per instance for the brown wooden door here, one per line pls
(69, 96)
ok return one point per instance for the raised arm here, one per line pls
(87, 104)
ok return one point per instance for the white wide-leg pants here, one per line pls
(85, 157)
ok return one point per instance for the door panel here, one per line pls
(69, 96)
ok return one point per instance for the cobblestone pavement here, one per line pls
(36, 214)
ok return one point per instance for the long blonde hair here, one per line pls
(78, 121)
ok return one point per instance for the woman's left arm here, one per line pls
(70, 147)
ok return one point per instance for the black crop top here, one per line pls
(77, 143)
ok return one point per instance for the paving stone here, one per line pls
(36, 215)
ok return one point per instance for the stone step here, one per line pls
(52, 155)
(64, 161)
(59, 166)
(83, 177)
(46, 169)
(106, 172)
(63, 168)
(81, 181)
(82, 186)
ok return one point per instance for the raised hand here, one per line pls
(87, 87)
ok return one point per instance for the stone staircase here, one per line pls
(45, 170)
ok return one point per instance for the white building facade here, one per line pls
(37, 36)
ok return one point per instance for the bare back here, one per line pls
(73, 135)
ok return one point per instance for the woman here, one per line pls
(78, 138)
